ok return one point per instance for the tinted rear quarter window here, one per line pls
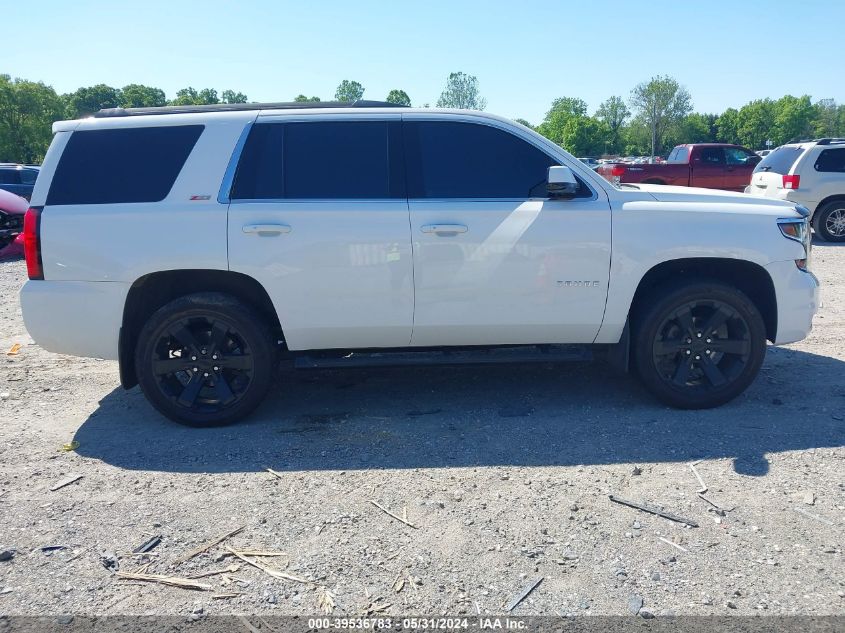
(781, 160)
(321, 159)
(122, 165)
(678, 155)
(467, 160)
(10, 177)
(831, 160)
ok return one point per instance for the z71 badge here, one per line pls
(578, 284)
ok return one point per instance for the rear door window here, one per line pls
(831, 160)
(321, 160)
(28, 176)
(711, 155)
(449, 159)
(737, 156)
(122, 165)
(781, 160)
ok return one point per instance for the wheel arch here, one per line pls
(834, 198)
(150, 292)
(750, 278)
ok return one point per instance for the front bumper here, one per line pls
(797, 294)
(81, 318)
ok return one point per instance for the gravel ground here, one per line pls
(504, 471)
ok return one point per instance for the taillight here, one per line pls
(791, 182)
(617, 170)
(32, 243)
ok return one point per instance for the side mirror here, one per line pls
(561, 182)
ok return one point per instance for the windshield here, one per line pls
(781, 160)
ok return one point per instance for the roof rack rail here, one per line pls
(240, 107)
(831, 141)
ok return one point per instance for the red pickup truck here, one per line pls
(710, 165)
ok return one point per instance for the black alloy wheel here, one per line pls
(699, 345)
(702, 345)
(203, 364)
(205, 360)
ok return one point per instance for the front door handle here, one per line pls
(266, 229)
(444, 229)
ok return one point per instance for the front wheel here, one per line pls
(829, 221)
(205, 359)
(699, 345)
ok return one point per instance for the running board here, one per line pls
(487, 356)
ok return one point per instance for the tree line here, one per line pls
(657, 115)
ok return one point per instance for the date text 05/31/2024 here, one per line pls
(480, 623)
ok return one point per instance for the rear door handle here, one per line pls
(444, 229)
(266, 229)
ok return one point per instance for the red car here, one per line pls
(710, 165)
(12, 210)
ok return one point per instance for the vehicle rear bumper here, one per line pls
(797, 295)
(81, 318)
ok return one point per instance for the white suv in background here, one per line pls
(200, 245)
(813, 175)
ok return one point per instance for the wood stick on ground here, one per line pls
(259, 552)
(264, 624)
(183, 583)
(273, 472)
(668, 542)
(523, 593)
(199, 550)
(703, 488)
(65, 482)
(225, 596)
(231, 569)
(276, 573)
(715, 505)
(653, 510)
(814, 516)
(398, 518)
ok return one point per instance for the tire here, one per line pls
(653, 181)
(688, 371)
(207, 388)
(829, 221)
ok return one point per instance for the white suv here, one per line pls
(198, 246)
(812, 174)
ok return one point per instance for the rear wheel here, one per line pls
(699, 345)
(205, 360)
(829, 221)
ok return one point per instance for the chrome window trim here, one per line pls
(314, 200)
(223, 196)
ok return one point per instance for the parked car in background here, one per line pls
(12, 210)
(592, 163)
(812, 174)
(709, 165)
(19, 179)
(764, 152)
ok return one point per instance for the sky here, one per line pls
(524, 54)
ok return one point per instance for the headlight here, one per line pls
(798, 230)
